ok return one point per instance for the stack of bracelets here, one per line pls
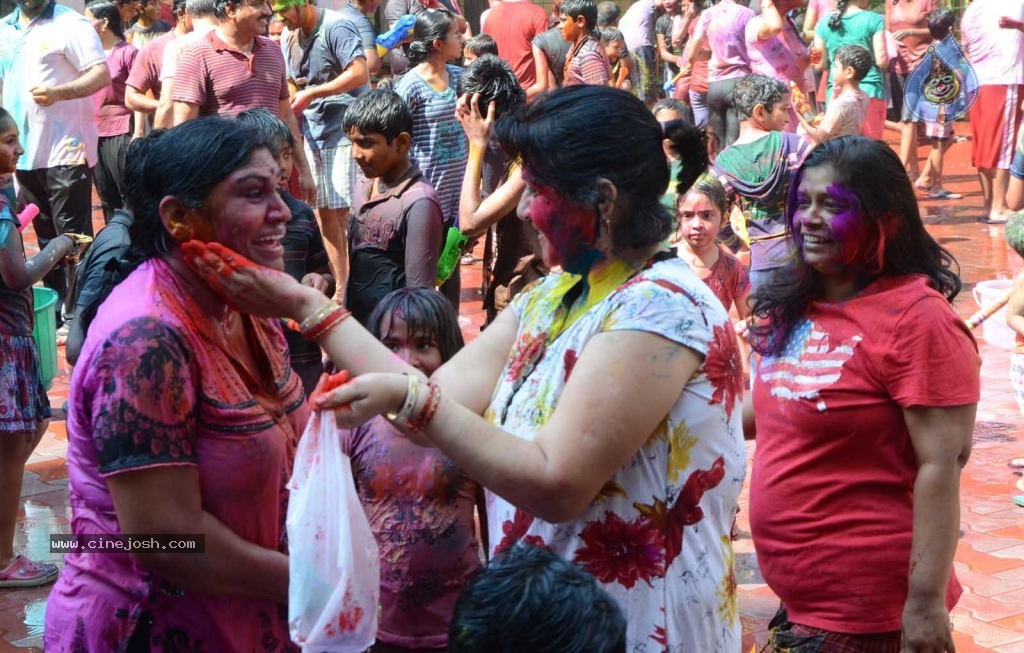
(323, 320)
(404, 417)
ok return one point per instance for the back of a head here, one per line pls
(495, 81)
(378, 111)
(529, 599)
(940, 23)
(608, 14)
(753, 90)
(571, 139)
(480, 45)
(201, 8)
(586, 8)
(857, 57)
(179, 6)
(108, 11)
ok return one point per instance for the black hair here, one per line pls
(378, 111)
(940, 23)
(271, 128)
(426, 313)
(673, 104)
(480, 45)
(556, 152)
(186, 162)
(835, 21)
(710, 187)
(607, 14)
(586, 8)
(496, 82)
(6, 120)
(856, 57)
(612, 35)
(178, 6)
(202, 8)
(895, 243)
(529, 599)
(108, 11)
(431, 25)
(753, 90)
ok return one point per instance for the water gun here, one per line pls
(26, 216)
(391, 38)
(454, 245)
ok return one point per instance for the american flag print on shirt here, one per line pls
(808, 364)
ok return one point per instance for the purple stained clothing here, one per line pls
(420, 507)
(112, 117)
(724, 25)
(157, 386)
(637, 24)
(783, 56)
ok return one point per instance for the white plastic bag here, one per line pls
(333, 562)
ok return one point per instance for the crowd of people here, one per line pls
(685, 245)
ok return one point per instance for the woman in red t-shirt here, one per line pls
(864, 404)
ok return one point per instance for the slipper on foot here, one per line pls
(1019, 500)
(943, 194)
(1016, 463)
(992, 220)
(25, 573)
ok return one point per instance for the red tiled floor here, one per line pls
(989, 560)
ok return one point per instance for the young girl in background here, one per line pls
(419, 504)
(24, 407)
(439, 145)
(624, 71)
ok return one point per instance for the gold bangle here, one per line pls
(318, 316)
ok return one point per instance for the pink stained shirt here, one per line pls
(112, 117)
(996, 54)
(724, 26)
(145, 73)
(420, 508)
(783, 56)
(831, 492)
(156, 387)
(904, 15)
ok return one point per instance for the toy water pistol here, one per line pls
(987, 311)
(454, 247)
(391, 38)
(27, 215)
(801, 104)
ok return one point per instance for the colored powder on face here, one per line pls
(569, 227)
(848, 227)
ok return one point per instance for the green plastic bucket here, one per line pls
(45, 332)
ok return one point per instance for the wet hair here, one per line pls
(431, 25)
(856, 57)
(1015, 232)
(426, 313)
(708, 186)
(586, 8)
(271, 128)
(480, 45)
(753, 90)
(496, 82)
(529, 599)
(611, 35)
(608, 14)
(557, 153)
(895, 241)
(673, 104)
(835, 21)
(108, 11)
(186, 162)
(940, 23)
(201, 8)
(379, 111)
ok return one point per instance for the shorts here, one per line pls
(900, 109)
(647, 69)
(784, 635)
(1017, 380)
(994, 122)
(334, 171)
(940, 131)
(23, 400)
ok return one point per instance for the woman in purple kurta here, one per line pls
(184, 417)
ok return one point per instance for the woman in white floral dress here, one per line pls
(609, 392)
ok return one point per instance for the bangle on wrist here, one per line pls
(323, 320)
(419, 407)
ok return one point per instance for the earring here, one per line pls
(181, 232)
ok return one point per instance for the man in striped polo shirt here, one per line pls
(330, 74)
(234, 68)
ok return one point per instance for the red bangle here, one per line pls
(428, 411)
(333, 319)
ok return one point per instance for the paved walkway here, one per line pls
(989, 560)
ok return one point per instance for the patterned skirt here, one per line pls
(23, 400)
